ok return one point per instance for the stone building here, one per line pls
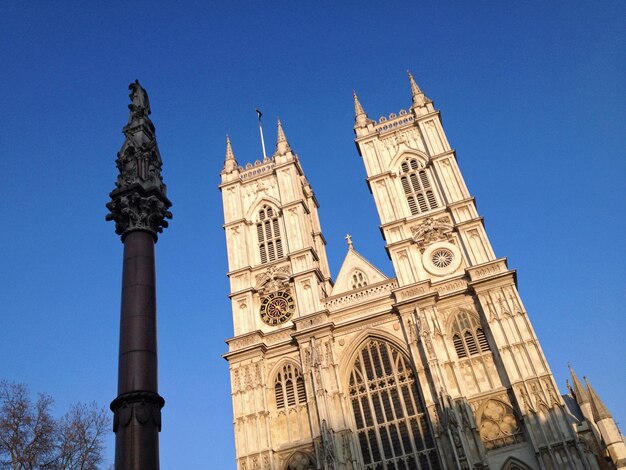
(438, 367)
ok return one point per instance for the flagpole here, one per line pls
(261, 132)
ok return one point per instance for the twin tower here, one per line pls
(436, 368)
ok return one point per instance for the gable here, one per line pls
(356, 272)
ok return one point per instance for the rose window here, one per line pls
(442, 258)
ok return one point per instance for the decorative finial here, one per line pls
(230, 164)
(419, 99)
(281, 133)
(415, 90)
(358, 109)
(139, 200)
(349, 240)
(282, 146)
(360, 118)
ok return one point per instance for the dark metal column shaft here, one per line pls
(138, 402)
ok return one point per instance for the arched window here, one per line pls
(289, 387)
(359, 279)
(392, 425)
(417, 188)
(467, 336)
(268, 233)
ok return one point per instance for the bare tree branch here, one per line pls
(31, 439)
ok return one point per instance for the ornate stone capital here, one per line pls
(139, 200)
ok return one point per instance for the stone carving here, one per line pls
(301, 461)
(411, 329)
(139, 200)
(498, 425)
(526, 401)
(360, 296)
(257, 374)
(431, 231)
(273, 279)
(236, 380)
(326, 448)
(329, 353)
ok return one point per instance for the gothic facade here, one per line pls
(436, 368)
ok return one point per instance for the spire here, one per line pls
(600, 411)
(230, 164)
(579, 390)
(419, 99)
(360, 118)
(282, 146)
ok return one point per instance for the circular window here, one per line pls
(442, 258)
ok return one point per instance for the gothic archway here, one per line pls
(514, 464)
(392, 426)
(300, 461)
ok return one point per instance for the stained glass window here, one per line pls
(392, 425)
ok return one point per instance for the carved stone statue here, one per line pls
(140, 106)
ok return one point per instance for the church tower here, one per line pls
(436, 368)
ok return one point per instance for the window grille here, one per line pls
(358, 279)
(417, 188)
(392, 425)
(268, 234)
(286, 394)
(467, 336)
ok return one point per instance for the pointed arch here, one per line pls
(269, 230)
(358, 279)
(417, 184)
(467, 333)
(260, 201)
(301, 461)
(352, 350)
(288, 384)
(390, 419)
(514, 464)
(405, 153)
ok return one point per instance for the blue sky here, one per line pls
(531, 96)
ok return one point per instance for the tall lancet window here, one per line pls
(268, 233)
(289, 388)
(392, 425)
(467, 336)
(417, 188)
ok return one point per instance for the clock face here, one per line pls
(277, 308)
